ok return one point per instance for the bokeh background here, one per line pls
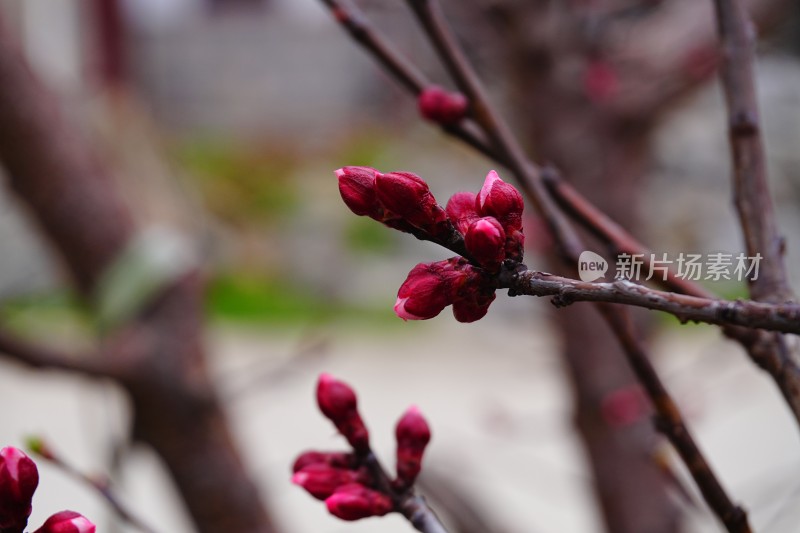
(225, 121)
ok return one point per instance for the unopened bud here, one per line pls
(474, 297)
(502, 201)
(354, 502)
(67, 522)
(19, 478)
(408, 197)
(332, 459)
(461, 211)
(412, 434)
(485, 241)
(337, 401)
(321, 480)
(441, 106)
(428, 289)
(357, 187)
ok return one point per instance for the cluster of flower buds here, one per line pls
(19, 478)
(441, 106)
(348, 485)
(489, 224)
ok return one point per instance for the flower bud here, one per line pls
(354, 502)
(321, 480)
(461, 211)
(337, 401)
(357, 187)
(429, 288)
(67, 522)
(408, 197)
(19, 478)
(600, 81)
(501, 201)
(515, 245)
(441, 106)
(485, 241)
(412, 434)
(474, 297)
(333, 459)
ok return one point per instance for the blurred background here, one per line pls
(224, 120)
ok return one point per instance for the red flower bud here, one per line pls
(600, 81)
(441, 106)
(67, 522)
(461, 211)
(357, 187)
(429, 288)
(354, 502)
(474, 297)
(485, 241)
(625, 406)
(337, 401)
(502, 201)
(408, 197)
(321, 480)
(412, 434)
(515, 245)
(19, 478)
(333, 459)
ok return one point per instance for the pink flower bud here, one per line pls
(19, 478)
(502, 201)
(485, 241)
(354, 502)
(412, 434)
(408, 197)
(333, 459)
(429, 288)
(461, 211)
(625, 406)
(357, 187)
(337, 401)
(600, 81)
(321, 480)
(67, 522)
(441, 106)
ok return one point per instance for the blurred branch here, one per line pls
(101, 485)
(42, 357)
(669, 422)
(457, 504)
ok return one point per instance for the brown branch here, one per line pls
(42, 357)
(775, 317)
(668, 421)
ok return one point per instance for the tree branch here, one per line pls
(776, 317)
(668, 421)
(36, 356)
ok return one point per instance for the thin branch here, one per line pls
(101, 485)
(37, 356)
(776, 317)
(669, 422)
(411, 505)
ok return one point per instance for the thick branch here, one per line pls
(36, 356)
(668, 421)
(775, 317)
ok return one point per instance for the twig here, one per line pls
(746, 313)
(101, 485)
(751, 189)
(669, 422)
(411, 505)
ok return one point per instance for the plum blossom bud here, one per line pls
(333, 459)
(354, 502)
(461, 211)
(412, 434)
(441, 106)
(485, 241)
(19, 478)
(474, 297)
(357, 187)
(429, 288)
(67, 522)
(625, 406)
(501, 201)
(321, 480)
(515, 245)
(337, 401)
(600, 81)
(408, 197)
